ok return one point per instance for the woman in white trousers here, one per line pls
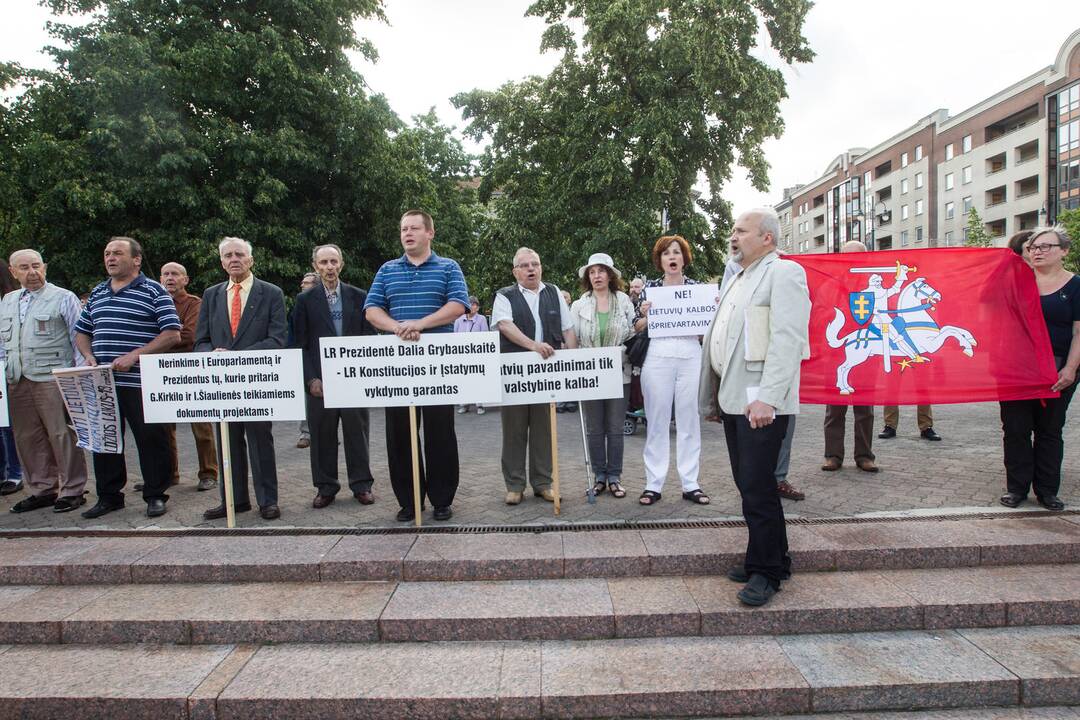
(669, 377)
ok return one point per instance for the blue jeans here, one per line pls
(10, 468)
(604, 428)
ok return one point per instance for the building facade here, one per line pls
(1014, 158)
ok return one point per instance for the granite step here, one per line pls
(197, 558)
(994, 668)
(561, 609)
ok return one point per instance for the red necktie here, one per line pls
(234, 310)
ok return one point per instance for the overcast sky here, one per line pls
(880, 67)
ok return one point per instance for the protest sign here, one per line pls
(4, 419)
(385, 371)
(566, 376)
(89, 394)
(247, 385)
(678, 310)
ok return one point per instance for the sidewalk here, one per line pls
(963, 471)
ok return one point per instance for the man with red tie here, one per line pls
(244, 313)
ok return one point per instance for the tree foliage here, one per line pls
(179, 122)
(654, 95)
(1070, 219)
(977, 236)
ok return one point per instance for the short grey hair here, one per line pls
(227, 240)
(331, 246)
(522, 250)
(769, 222)
(24, 251)
(1059, 230)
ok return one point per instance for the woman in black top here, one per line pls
(1032, 428)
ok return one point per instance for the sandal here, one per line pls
(599, 488)
(697, 497)
(616, 489)
(649, 498)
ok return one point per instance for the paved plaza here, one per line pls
(962, 471)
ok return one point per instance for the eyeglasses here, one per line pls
(1042, 247)
(527, 265)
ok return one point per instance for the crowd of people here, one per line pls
(744, 372)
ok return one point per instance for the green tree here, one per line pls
(976, 235)
(652, 97)
(181, 122)
(1070, 219)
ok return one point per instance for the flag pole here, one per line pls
(415, 463)
(226, 471)
(554, 458)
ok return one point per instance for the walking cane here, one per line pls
(590, 492)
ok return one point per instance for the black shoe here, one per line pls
(216, 513)
(443, 513)
(758, 591)
(405, 514)
(270, 512)
(9, 487)
(155, 507)
(137, 487)
(1050, 502)
(738, 574)
(887, 433)
(101, 508)
(1011, 499)
(929, 434)
(67, 504)
(33, 503)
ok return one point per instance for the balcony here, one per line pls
(995, 196)
(996, 228)
(1026, 187)
(883, 243)
(1026, 152)
(1026, 221)
(819, 240)
(819, 221)
(1012, 123)
(883, 169)
(819, 201)
(995, 164)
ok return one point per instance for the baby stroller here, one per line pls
(633, 417)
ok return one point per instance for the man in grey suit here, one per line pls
(753, 351)
(244, 313)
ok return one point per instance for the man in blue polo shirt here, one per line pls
(126, 316)
(419, 292)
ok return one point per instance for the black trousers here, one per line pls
(1033, 446)
(254, 440)
(152, 443)
(753, 454)
(323, 425)
(439, 453)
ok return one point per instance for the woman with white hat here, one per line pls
(670, 375)
(604, 317)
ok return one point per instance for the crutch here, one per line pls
(590, 492)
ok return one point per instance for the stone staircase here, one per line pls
(979, 613)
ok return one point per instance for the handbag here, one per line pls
(637, 347)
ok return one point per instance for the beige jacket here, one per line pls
(768, 337)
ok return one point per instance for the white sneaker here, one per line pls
(480, 410)
(461, 409)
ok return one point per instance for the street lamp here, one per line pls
(870, 228)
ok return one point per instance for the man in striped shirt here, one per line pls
(419, 292)
(126, 316)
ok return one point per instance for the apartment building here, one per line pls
(1014, 157)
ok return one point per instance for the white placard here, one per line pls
(89, 394)
(566, 376)
(246, 385)
(5, 420)
(679, 310)
(385, 371)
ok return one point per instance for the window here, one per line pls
(966, 175)
(903, 160)
(967, 204)
(949, 153)
(948, 239)
(918, 234)
(903, 212)
(950, 210)
(918, 153)
(903, 238)
(950, 181)
(918, 180)
(866, 179)
(965, 235)
(903, 186)
(918, 207)
(966, 144)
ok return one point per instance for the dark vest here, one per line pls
(550, 317)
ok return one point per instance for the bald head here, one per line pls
(174, 277)
(852, 246)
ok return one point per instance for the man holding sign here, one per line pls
(126, 316)
(244, 313)
(419, 292)
(530, 316)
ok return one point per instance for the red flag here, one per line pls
(963, 325)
